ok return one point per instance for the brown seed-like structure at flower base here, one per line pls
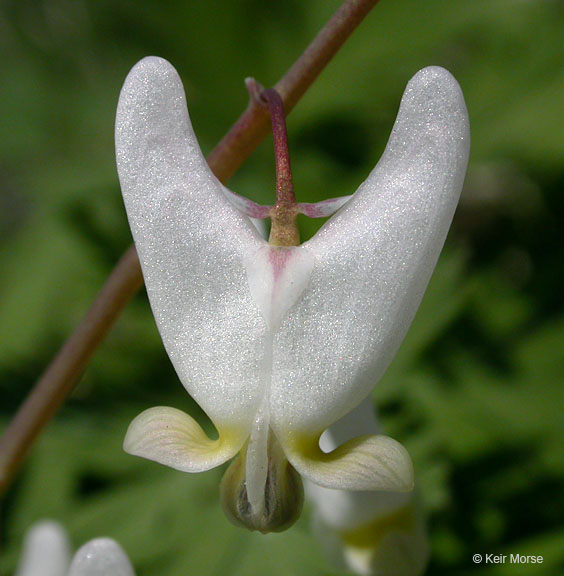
(283, 493)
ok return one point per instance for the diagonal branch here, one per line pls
(125, 280)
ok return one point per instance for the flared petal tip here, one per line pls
(173, 438)
(101, 557)
(364, 463)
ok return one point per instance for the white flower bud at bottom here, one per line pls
(101, 557)
(46, 551)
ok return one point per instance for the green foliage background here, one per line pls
(476, 390)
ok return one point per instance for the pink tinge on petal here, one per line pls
(248, 207)
(277, 278)
(278, 260)
(254, 210)
(324, 208)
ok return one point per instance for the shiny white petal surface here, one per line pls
(373, 261)
(192, 244)
(300, 333)
(46, 551)
(173, 438)
(101, 557)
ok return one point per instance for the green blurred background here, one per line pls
(476, 390)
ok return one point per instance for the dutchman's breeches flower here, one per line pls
(46, 552)
(277, 343)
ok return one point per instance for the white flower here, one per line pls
(101, 557)
(274, 343)
(46, 552)
(371, 533)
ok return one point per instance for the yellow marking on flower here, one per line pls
(369, 535)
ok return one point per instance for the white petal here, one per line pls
(101, 557)
(364, 463)
(191, 243)
(46, 551)
(171, 437)
(373, 261)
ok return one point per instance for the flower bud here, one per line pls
(283, 493)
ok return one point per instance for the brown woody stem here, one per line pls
(61, 375)
(125, 280)
(284, 186)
